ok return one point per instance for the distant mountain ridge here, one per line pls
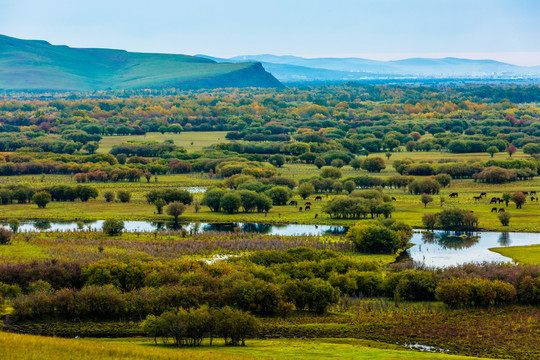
(38, 65)
(289, 68)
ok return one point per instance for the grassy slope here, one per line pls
(38, 65)
(522, 254)
(36, 347)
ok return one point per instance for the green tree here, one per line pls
(319, 162)
(113, 227)
(159, 204)
(507, 197)
(443, 179)
(349, 186)
(373, 164)
(277, 160)
(212, 198)
(231, 202)
(175, 209)
(426, 199)
(356, 163)
(91, 147)
(305, 190)
(279, 195)
(492, 150)
(41, 199)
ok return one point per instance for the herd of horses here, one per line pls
(494, 200)
(497, 200)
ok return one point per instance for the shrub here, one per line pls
(159, 204)
(412, 285)
(108, 196)
(495, 175)
(113, 227)
(41, 199)
(504, 218)
(430, 220)
(5, 236)
(314, 294)
(124, 196)
(374, 239)
(331, 172)
(428, 186)
(459, 293)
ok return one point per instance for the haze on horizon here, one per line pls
(504, 30)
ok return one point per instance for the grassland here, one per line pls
(14, 347)
(522, 254)
(191, 141)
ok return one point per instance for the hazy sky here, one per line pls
(507, 30)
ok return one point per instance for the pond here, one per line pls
(150, 226)
(437, 249)
(440, 249)
(195, 189)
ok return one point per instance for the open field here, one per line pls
(185, 139)
(14, 347)
(409, 209)
(522, 254)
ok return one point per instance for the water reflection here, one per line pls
(504, 239)
(450, 240)
(42, 225)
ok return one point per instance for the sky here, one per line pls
(504, 30)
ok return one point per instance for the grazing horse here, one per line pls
(501, 210)
(532, 198)
(525, 192)
(494, 200)
(187, 202)
(300, 208)
(477, 198)
(316, 216)
(483, 194)
(308, 203)
(393, 199)
(533, 192)
(307, 208)
(318, 197)
(454, 194)
(293, 202)
(501, 201)
(494, 209)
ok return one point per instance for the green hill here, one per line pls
(38, 65)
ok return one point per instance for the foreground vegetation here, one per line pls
(36, 347)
